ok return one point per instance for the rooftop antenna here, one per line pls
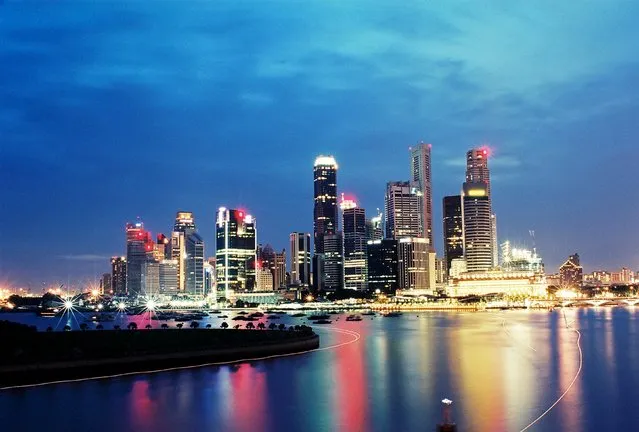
(534, 245)
(447, 424)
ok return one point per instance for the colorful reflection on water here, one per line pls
(502, 370)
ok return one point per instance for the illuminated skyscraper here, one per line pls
(325, 197)
(184, 222)
(480, 229)
(279, 270)
(194, 264)
(168, 276)
(478, 239)
(139, 250)
(300, 258)
(324, 211)
(416, 264)
(178, 254)
(333, 269)
(420, 170)
(403, 208)
(236, 241)
(118, 276)
(453, 230)
(354, 233)
(105, 284)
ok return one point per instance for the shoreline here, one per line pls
(51, 371)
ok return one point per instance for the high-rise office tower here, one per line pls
(324, 211)
(279, 270)
(178, 254)
(236, 248)
(163, 247)
(493, 234)
(479, 221)
(184, 222)
(374, 228)
(333, 263)
(416, 264)
(139, 250)
(420, 170)
(478, 239)
(300, 258)
(354, 235)
(168, 276)
(209, 276)
(118, 276)
(453, 230)
(325, 198)
(403, 208)
(382, 265)
(151, 278)
(194, 264)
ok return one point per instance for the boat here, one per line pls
(216, 311)
(322, 321)
(298, 315)
(222, 316)
(318, 317)
(47, 313)
(353, 318)
(392, 314)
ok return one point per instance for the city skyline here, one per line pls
(116, 101)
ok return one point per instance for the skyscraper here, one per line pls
(416, 264)
(324, 211)
(168, 276)
(105, 284)
(420, 170)
(300, 258)
(118, 276)
(453, 230)
(279, 270)
(184, 222)
(236, 248)
(403, 208)
(178, 254)
(325, 197)
(382, 265)
(194, 263)
(374, 228)
(479, 228)
(478, 243)
(354, 234)
(333, 268)
(139, 249)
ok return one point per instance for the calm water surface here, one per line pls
(502, 370)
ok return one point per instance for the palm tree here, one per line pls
(99, 327)
(272, 326)
(282, 327)
(83, 326)
(261, 326)
(194, 324)
(67, 327)
(132, 326)
(49, 329)
(164, 326)
(250, 325)
(224, 325)
(208, 326)
(180, 325)
(148, 327)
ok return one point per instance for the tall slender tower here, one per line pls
(477, 211)
(139, 250)
(354, 227)
(324, 213)
(236, 242)
(420, 178)
(325, 197)
(188, 250)
(453, 230)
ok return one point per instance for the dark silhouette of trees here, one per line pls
(49, 329)
(164, 326)
(148, 327)
(83, 326)
(99, 327)
(132, 326)
(282, 327)
(180, 325)
(224, 325)
(67, 327)
(261, 326)
(272, 326)
(250, 325)
(194, 324)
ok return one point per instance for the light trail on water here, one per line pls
(356, 337)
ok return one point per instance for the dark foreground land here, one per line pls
(30, 357)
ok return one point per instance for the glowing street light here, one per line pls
(150, 304)
(121, 306)
(68, 304)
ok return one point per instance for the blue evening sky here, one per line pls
(111, 110)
